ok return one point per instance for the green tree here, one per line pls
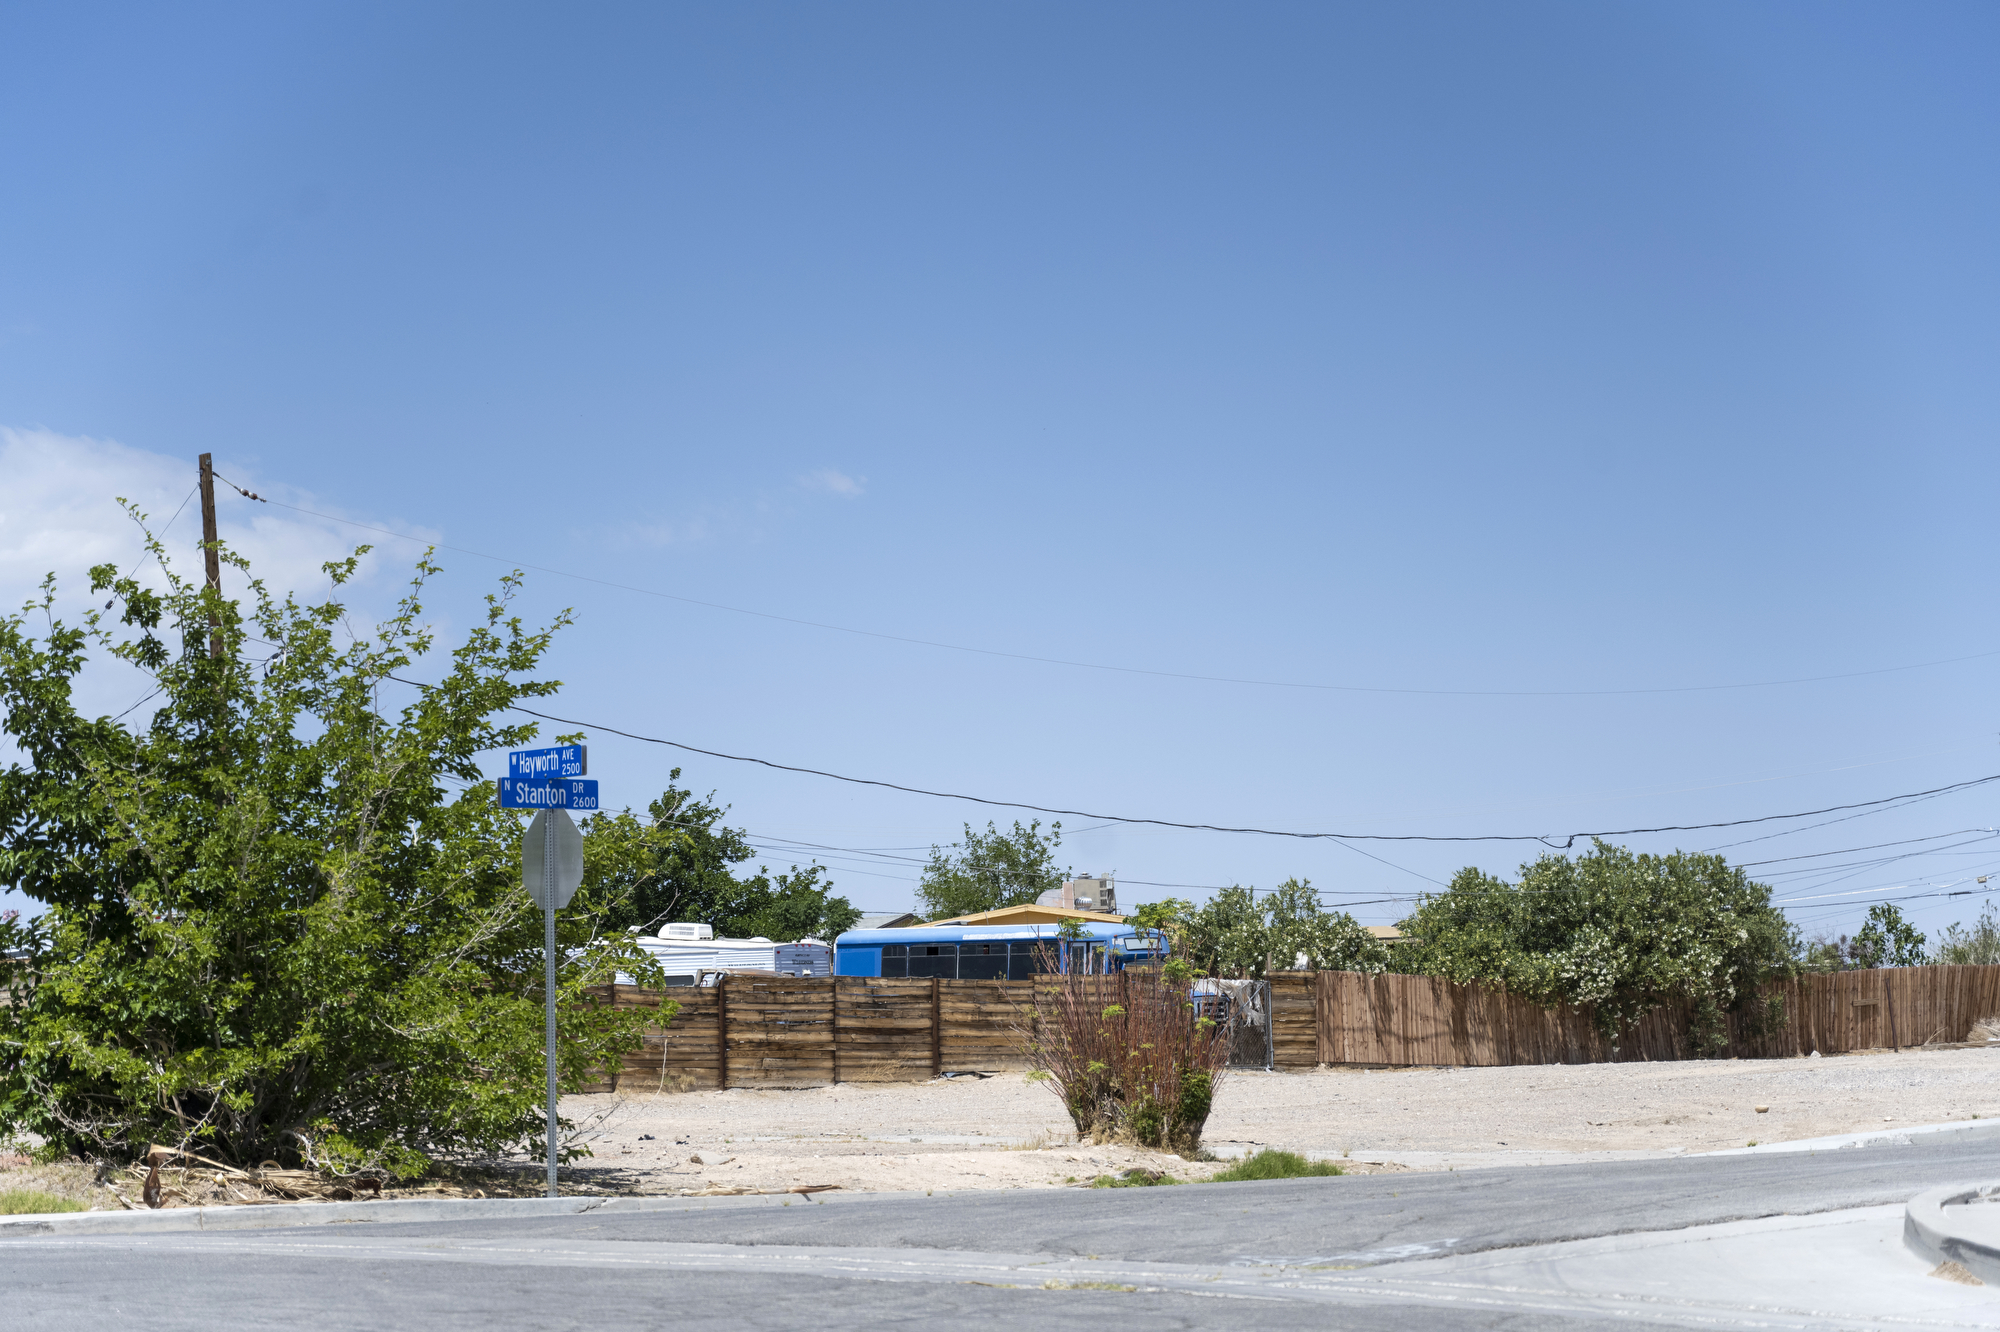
(1626, 933)
(282, 916)
(1977, 946)
(1824, 953)
(989, 870)
(1236, 934)
(678, 866)
(1887, 940)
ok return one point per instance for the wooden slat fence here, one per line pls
(1294, 1020)
(1409, 1020)
(783, 1031)
(779, 1031)
(885, 1028)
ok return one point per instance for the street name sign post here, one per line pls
(551, 869)
(548, 793)
(555, 761)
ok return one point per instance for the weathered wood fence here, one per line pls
(1423, 1020)
(782, 1031)
(778, 1031)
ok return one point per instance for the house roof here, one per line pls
(885, 920)
(1386, 933)
(1031, 914)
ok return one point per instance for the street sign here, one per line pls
(550, 781)
(548, 793)
(566, 864)
(555, 761)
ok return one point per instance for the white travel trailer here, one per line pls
(692, 955)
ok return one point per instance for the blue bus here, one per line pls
(990, 952)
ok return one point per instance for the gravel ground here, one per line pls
(1006, 1132)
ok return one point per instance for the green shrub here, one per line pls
(1130, 1056)
(1273, 1164)
(284, 916)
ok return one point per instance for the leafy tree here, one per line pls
(282, 918)
(1303, 934)
(1234, 934)
(989, 870)
(1825, 952)
(797, 905)
(1887, 940)
(1978, 946)
(1626, 933)
(678, 868)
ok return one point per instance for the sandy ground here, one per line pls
(1006, 1132)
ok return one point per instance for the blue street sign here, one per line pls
(548, 793)
(555, 761)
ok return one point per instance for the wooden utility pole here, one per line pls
(211, 557)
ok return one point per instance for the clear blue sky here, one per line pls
(1534, 347)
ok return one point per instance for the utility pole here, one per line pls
(211, 558)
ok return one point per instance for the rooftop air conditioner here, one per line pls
(687, 931)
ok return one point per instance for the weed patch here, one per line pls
(31, 1202)
(1272, 1164)
(1134, 1178)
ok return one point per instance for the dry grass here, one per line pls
(671, 1082)
(70, 1182)
(33, 1202)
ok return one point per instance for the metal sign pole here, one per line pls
(551, 870)
(549, 988)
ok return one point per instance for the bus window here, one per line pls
(895, 959)
(1028, 959)
(982, 961)
(934, 960)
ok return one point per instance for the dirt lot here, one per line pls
(1005, 1132)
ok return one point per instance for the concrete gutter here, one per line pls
(1957, 1130)
(1957, 1224)
(280, 1216)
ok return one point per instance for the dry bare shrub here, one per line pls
(1129, 1055)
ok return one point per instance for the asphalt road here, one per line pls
(1222, 1255)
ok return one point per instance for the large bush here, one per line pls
(1624, 932)
(282, 914)
(1129, 1055)
(1238, 933)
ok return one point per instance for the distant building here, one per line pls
(1033, 913)
(1085, 894)
(887, 920)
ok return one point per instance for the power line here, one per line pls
(1104, 666)
(1790, 832)
(1876, 846)
(1546, 840)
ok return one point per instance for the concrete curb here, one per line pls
(1938, 1229)
(1889, 1137)
(280, 1216)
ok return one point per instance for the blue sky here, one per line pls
(1525, 353)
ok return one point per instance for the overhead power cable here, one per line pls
(1105, 666)
(1875, 846)
(1547, 840)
